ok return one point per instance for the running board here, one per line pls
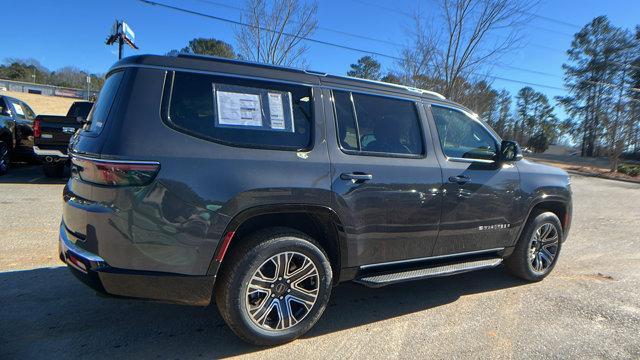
(426, 273)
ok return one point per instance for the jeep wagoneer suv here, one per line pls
(265, 186)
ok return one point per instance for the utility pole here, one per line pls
(88, 87)
(122, 34)
(120, 43)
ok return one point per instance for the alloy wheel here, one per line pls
(282, 291)
(543, 248)
(4, 158)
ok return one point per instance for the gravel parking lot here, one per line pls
(588, 307)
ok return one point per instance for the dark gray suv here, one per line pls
(266, 186)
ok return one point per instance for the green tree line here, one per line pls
(601, 74)
(29, 70)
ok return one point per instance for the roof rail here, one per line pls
(310, 72)
(237, 61)
(399, 86)
(436, 94)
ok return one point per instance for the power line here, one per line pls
(327, 43)
(407, 14)
(336, 31)
(387, 8)
(560, 22)
(359, 36)
(321, 42)
(364, 37)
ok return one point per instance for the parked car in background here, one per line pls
(265, 186)
(52, 134)
(16, 131)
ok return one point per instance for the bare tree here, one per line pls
(416, 67)
(275, 30)
(469, 40)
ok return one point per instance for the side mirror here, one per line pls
(81, 119)
(510, 151)
(5, 111)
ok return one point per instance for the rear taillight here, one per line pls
(37, 129)
(114, 173)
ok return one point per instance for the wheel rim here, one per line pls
(543, 248)
(283, 290)
(4, 158)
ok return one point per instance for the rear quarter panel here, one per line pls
(174, 225)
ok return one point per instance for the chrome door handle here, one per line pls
(356, 176)
(460, 179)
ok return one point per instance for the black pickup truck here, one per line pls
(16, 132)
(52, 134)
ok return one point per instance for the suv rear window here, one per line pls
(377, 124)
(100, 111)
(241, 112)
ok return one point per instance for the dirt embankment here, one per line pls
(50, 105)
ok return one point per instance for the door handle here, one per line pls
(460, 179)
(356, 176)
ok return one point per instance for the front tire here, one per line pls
(538, 248)
(5, 158)
(274, 286)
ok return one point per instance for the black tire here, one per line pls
(238, 269)
(521, 263)
(55, 170)
(5, 158)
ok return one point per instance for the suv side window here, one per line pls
(462, 136)
(4, 109)
(377, 124)
(100, 111)
(241, 112)
(18, 110)
(28, 111)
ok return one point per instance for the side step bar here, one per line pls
(430, 272)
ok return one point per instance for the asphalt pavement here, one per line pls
(589, 307)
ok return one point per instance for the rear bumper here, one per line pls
(94, 271)
(50, 152)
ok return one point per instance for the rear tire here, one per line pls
(55, 170)
(538, 248)
(5, 158)
(268, 304)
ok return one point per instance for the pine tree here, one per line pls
(592, 76)
(366, 68)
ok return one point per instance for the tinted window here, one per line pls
(28, 112)
(347, 131)
(242, 111)
(462, 136)
(80, 109)
(99, 113)
(3, 106)
(384, 125)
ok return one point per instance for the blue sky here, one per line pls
(72, 32)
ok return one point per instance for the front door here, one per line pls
(481, 197)
(385, 181)
(24, 117)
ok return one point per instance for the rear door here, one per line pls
(23, 116)
(385, 180)
(480, 196)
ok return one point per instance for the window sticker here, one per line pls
(239, 109)
(276, 110)
(253, 108)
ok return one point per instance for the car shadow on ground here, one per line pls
(24, 173)
(47, 310)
